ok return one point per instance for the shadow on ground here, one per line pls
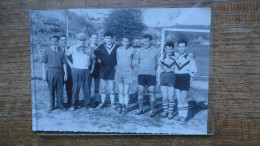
(196, 107)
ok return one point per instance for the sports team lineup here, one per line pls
(120, 70)
(108, 64)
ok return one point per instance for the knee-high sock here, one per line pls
(103, 98)
(165, 105)
(141, 102)
(126, 99)
(171, 106)
(112, 98)
(180, 112)
(121, 99)
(152, 103)
(185, 112)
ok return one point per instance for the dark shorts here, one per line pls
(182, 82)
(107, 72)
(167, 79)
(148, 80)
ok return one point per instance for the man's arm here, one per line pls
(43, 72)
(157, 59)
(93, 59)
(70, 50)
(44, 61)
(193, 68)
(64, 62)
(93, 66)
(137, 59)
(68, 53)
(70, 63)
(133, 60)
(65, 72)
(97, 54)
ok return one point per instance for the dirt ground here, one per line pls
(108, 120)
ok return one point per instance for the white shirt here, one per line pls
(81, 59)
(185, 64)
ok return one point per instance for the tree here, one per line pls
(124, 22)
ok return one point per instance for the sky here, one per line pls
(164, 17)
(170, 16)
(153, 17)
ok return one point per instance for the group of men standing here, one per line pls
(109, 63)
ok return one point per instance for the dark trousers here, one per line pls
(68, 85)
(96, 88)
(80, 77)
(55, 82)
(96, 84)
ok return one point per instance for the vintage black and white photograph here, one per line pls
(121, 70)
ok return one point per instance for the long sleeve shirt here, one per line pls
(186, 64)
(168, 63)
(106, 54)
(54, 58)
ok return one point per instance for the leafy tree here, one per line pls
(124, 22)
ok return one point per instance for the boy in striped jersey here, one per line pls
(167, 79)
(185, 72)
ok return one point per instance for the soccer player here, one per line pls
(124, 72)
(167, 79)
(185, 72)
(147, 59)
(106, 57)
(55, 60)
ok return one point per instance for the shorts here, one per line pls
(107, 72)
(167, 79)
(182, 82)
(124, 77)
(148, 80)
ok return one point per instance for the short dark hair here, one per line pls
(182, 41)
(170, 44)
(108, 33)
(54, 36)
(126, 37)
(93, 34)
(148, 36)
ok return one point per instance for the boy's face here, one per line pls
(182, 48)
(137, 42)
(94, 39)
(147, 42)
(125, 42)
(63, 41)
(54, 41)
(168, 50)
(108, 40)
